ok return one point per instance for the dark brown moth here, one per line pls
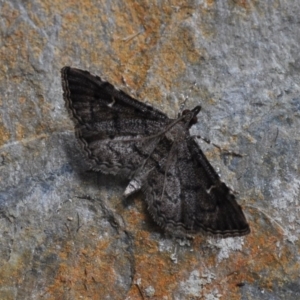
(157, 155)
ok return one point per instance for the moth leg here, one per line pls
(135, 183)
(168, 163)
(223, 150)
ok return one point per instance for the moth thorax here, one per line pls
(176, 133)
(189, 117)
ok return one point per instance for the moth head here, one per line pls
(190, 116)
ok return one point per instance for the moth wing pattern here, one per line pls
(110, 125)
(123, 136)
(186, 196)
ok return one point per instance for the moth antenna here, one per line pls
(221, 149)
(166, 171)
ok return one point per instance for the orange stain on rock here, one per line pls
(140, 35)
(20, 131)
(90, 272)
(262, 258)
(242, 3)
(155, 268)
(4, 135)
(22, 100)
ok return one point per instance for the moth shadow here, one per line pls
(113, 185)
(137, 200)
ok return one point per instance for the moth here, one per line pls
(123, 136)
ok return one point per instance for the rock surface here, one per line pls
(65, 232)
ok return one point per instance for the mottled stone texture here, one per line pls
(65, 232)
